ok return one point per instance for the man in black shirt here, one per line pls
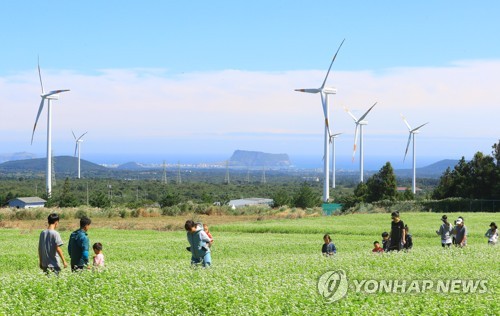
(398, 233)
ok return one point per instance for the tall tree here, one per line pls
(476, 179)
(496, 152)
(67, 198)
(306, 197)
(382, 185)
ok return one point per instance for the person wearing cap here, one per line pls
(492, 234)
(461, 233)
(445, 232)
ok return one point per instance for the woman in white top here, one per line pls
(492, 234)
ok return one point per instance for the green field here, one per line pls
(262, 267)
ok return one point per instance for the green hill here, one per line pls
(63, 166)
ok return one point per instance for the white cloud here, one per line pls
(135, 109)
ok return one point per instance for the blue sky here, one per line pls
(206, 78)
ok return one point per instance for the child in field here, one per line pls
(205, 229)
(328, 248)
(408, 239)
(198, 244)
(445, 231)
(98, 261)
(49, 247)
(377, 248)
(385, 241)
(492, 234)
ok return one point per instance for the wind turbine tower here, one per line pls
(332, 141)
(359, 127)
(411, 137)
(52, 95)
(78, 142)
(324, 93)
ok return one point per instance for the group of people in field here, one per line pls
(50, 254)
(51, 257)
(457, 234)
(400, 238)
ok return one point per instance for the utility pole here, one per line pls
(179, 180)
(263, 179)
(164, 180)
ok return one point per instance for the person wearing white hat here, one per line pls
(461, 233)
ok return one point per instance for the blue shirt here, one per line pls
(78, 248)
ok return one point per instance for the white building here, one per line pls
(250, 201)
(27, 202)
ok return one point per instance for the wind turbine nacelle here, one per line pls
(363, 123)
(52, 96)
(415, 132)
(329, 90)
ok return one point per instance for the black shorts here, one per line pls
(397, 247)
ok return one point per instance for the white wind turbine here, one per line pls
(332, 141)
(78, 141)
(52, 95)
(359, 127)
(410, 137)
(324, 92)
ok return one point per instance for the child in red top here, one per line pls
(377, 248)
(205, 228)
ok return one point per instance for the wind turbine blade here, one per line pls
(334, 56)
(308, 90)
(366, 113)
(40, 108)
(355, 141)
(415, 129)
(352, 115)
(73, 135)
(56, 92)
(407, 146)
(81, 136)
(406, 122)
(40, 75)
(76, 147)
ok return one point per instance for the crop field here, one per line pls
(266, 267)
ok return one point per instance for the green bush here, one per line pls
(80, 213)
(171, 211)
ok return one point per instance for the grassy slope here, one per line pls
(271, 272)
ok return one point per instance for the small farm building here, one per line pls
(250, 201)
(27, 202)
